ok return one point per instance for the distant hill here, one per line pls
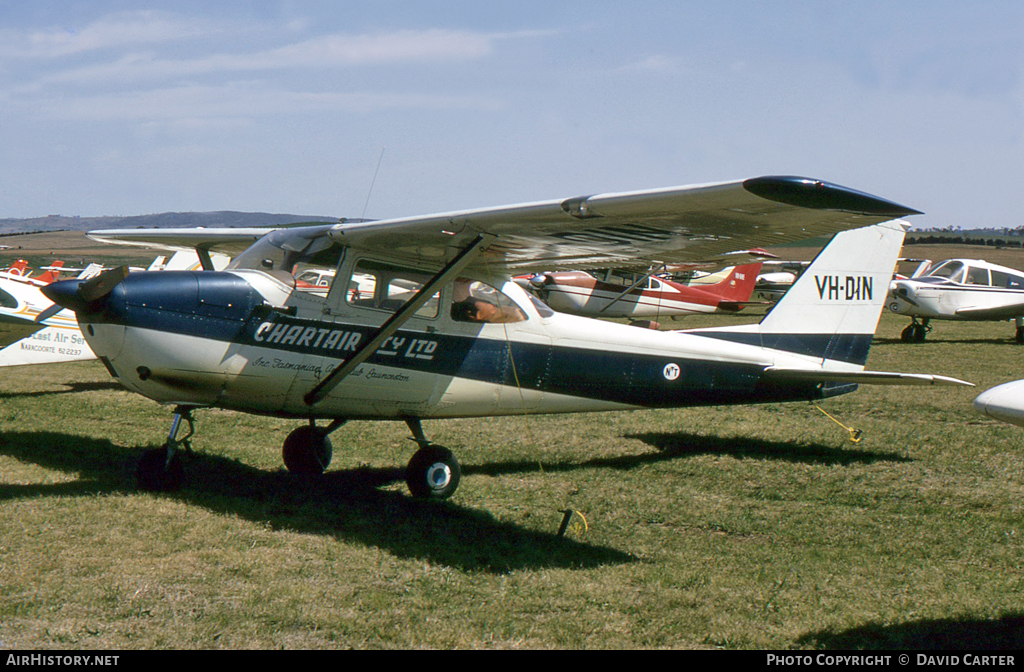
(223, 218)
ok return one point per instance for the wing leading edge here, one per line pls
(632, 229)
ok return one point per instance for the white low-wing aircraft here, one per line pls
(958, 289)
(1003, 402)
(421, 318)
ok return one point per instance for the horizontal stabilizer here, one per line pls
(862, 377)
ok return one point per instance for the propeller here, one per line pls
(96, 288)
(76, 294)
(49, 312)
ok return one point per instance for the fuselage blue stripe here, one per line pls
(237, 316)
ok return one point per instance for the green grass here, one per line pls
(742, 527)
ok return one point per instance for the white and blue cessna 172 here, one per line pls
(420, 318)
(958, 289)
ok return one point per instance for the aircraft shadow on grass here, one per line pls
(678, 445)
(70, 388)
(675, 446)
(348, 504)
(948, 634)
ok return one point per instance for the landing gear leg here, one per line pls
(433, 472)
(161, 469)
(307, 450)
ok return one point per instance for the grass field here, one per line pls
(743, 527)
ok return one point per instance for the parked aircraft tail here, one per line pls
(738, 285)
(52, 273)
(19, 267)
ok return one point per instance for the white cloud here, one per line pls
(325, 52)
(114, 31)
(240, 100)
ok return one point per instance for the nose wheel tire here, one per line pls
(307, 451)
(433, 473)
(156, 474)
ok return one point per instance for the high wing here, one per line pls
(615, 230)
(630, 230)
(229, 241)
(1003, 312)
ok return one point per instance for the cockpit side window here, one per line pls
(977, 276)
(384, 286)
(475, 301)
(7, 301)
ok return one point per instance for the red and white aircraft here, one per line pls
(613, 293)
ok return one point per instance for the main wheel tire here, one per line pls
(307, 451)
(154, 474)
(433, 473)
(907, 335)
(920, 331)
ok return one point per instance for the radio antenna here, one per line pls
(372, 182)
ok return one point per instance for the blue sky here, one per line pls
(123, 108)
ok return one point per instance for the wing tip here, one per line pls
(805, 192)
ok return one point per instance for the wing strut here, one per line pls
(630, 289)
(395, 322)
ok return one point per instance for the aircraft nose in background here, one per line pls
(1004, 402)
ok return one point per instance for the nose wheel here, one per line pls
(161, 469)
(915, 332)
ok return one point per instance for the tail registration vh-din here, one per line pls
(418, 318)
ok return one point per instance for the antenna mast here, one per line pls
(372, 182)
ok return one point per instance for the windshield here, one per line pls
(947, 269)
(306, 254)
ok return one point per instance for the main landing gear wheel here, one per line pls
(307, 451)
(1020, 335)
(433, 473)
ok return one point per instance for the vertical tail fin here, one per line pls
(19, 267)
(833, 308)
(52, 273)
(738, 285)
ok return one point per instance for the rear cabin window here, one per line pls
(1007, 280)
